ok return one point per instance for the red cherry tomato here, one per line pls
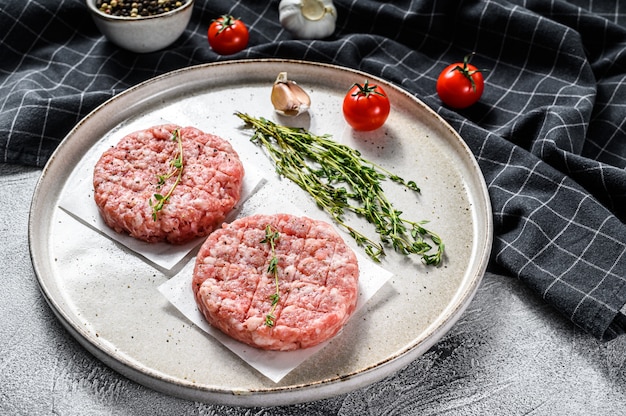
(460, 84)
(228, 35)
(366, 107)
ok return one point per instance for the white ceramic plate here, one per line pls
(107, 297)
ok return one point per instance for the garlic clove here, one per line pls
(288, 98)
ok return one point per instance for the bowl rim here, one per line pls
(91, 4)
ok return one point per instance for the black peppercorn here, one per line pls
(139, 8)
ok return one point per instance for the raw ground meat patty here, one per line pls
(317, 273)
(126, 178)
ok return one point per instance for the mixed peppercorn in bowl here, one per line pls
(144, 8)
(141, 26)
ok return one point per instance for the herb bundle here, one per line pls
(177, 166)
(339, 179)
(271, 237)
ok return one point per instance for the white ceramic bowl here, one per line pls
(143, 34)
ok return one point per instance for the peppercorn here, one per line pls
(126, 8)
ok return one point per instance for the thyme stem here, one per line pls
(271, 237)
(177, 165)
(340, 180)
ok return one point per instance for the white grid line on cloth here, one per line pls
(584, 295)
(548, 106)
(44, 122)
(601, 8)
(551, 135)
(530, 172)
(600, 281)
(558, 279)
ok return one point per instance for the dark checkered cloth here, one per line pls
(548, 133)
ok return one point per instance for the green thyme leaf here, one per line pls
(271, 237)
(177, 169)
(340, 181)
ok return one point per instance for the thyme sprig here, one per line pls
(271, 236)
(339, 179)
(177, 165)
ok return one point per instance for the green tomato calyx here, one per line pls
(366, 90)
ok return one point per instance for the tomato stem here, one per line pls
(466, 71)
(366, 90)
(226, 22)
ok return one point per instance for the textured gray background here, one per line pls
(509, 354)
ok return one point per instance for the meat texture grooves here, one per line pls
(126, 179)
(317, 276)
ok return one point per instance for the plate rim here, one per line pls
(268, 396)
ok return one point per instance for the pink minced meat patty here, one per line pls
(317, 273)
(126, 178)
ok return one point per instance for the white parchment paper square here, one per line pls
(272, 364)
(77, 200)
